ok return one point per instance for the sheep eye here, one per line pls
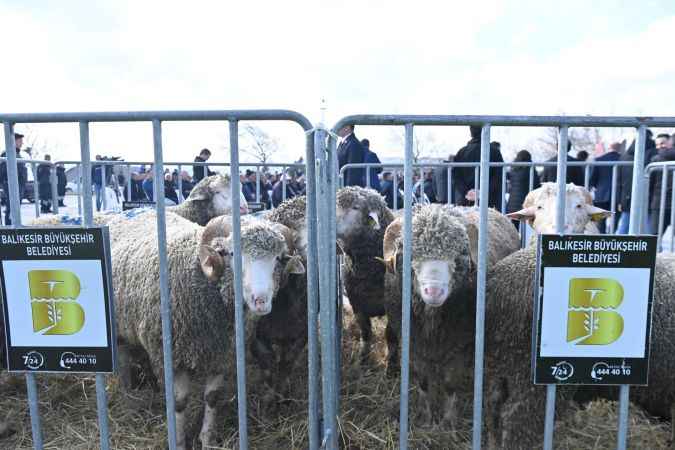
(540, 207)
(578, 206)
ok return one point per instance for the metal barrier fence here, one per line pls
(322, 270)
(156, 118)
(485, 122)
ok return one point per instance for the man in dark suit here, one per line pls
(350, 151)
(575, 174)
(601, 181)
(201, 171)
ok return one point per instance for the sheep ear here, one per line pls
(294, 265)
(597, 214)
(200, 192)
(524, 214)
(211, 262)
(472, 232)
(373, 220)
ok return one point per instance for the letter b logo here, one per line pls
(53, 294)
(591, 319)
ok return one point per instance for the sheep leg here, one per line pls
(366, 334)
(182, 386)
(521, 421)
(450, 411)
(393, 358)
(213, 395)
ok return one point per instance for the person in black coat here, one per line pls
(575, 174)
(22, 175)
(656, 183)
(201, 171)
(464, 179)
(440, 176)
(350, 151)
(61, 182)
(45, 185)
(388, 190)
(625, 181)
(601, 181)
(519, 183)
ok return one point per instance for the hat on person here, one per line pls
(18, 136)
(249, 172)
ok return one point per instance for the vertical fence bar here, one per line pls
(480, 283)
(238, 295)
(128, 182)
(313, 142)
(612, 219)
(561, 176)
(283, 183)
(475, 185)
(79, 189)
(367, 168)
(634, 228)
(101, 398)
(165, 299)
(336, 297)
(395, 189)
(449, 187)
(15, 216)
(54, 184)
(181, 197)
(36, 196)
(503, 189)
(587, 178)
(257, 183)
(672, 213)
(662, 207)
(406, 293)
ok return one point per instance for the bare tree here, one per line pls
(257, 143)
(425, 144)
(36, 145)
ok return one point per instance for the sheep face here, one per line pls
(266, 264)
(357, 210)
(433, 280)
(216, 190)
(540, 206)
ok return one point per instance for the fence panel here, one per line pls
(482, 169)
(156, 118)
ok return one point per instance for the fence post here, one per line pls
(235, 187)
(406, 286)
(481, 275)
(165, 293)
(54, 184)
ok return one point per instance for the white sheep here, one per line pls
(202, 302)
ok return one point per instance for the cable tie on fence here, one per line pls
(321, 128)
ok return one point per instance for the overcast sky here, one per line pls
(423, 57)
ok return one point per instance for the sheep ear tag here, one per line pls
(597, 214)
(373, 220)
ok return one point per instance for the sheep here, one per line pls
(278, 338)
(444, 260)
(540, 206)
(362, 217)
(202, 302)
(516, 406)
(209, 198)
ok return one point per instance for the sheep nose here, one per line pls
(433, 291)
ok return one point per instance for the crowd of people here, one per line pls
(431, 186)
